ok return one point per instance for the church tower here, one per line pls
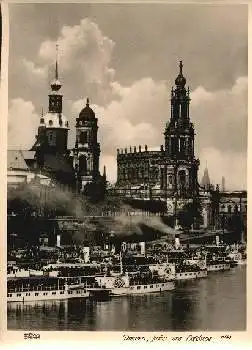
(87, 148)
(179, 142)
(53, 129)
(206, 183)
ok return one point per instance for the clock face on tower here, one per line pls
(51, 135)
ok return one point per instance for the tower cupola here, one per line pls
(180, 81)
(179, 132)
(87, 148)
(87, 113)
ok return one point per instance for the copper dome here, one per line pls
(87, 113)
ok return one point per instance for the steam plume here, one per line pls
(107, 216)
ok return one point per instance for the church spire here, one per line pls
(181, 67)
(180, 80)
(206, 179)
(55, 97)
(56, 63)
(56, 85)
(104, 172)
(223, 186)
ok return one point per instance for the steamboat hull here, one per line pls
(30, 296)
(143, 289)
(190, 275)
(218, 267)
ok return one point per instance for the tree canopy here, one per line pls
(190, 214)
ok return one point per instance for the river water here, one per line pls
(216, 303)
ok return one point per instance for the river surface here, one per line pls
(215, 303)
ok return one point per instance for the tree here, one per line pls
(95, 191)
(190, 214)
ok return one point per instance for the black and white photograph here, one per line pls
(127, 167)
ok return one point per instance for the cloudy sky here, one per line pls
(125, 58)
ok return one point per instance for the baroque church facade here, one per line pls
(170, 174)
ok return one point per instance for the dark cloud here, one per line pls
(150, 38)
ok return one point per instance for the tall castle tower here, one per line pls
(179, 142)
(53, 129)
(87, 148)
(51, 153)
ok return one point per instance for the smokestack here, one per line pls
(86, 254)
(177, 242)
(142, 248)
(123, 247)
(58, 241)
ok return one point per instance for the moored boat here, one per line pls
(183, 265)
(215, 266)
(186, 275)
(29, 289)
(216, 258)
(238, 258)
(134, 284)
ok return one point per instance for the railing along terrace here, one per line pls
(117, 213)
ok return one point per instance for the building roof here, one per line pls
(16, 160)
(28, 155)
(234, 194)
(56, 163)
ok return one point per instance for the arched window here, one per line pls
(170, 181)
(83, 137)
(51, 138)
(229, 209)
(182, 178)
(182, 145)
(174, 145)
(83, 164)
(50, 122)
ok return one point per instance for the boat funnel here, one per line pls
(142, 248)
(58, 241)
(123, 246)
(177, 242)
(86, 254)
